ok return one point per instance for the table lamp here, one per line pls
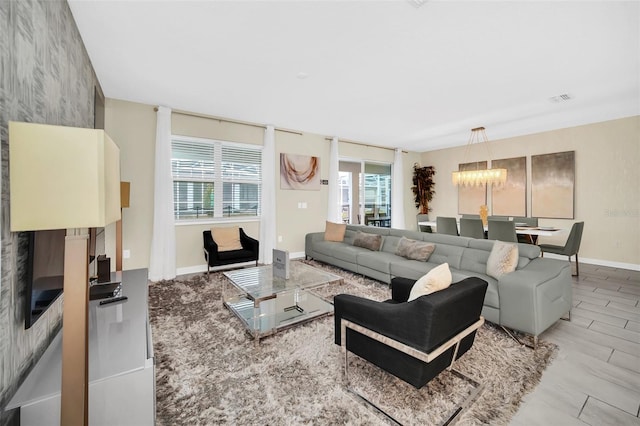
(66, 178)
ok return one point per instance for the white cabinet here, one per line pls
(121, 368)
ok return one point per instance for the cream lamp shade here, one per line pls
(62, 177)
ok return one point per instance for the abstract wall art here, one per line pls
(299, 172)
(553, 185)
(510, 199)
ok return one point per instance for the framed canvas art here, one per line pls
(510, 199)
(299, 172)
(553, 185)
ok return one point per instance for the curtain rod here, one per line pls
(364, 144)
(226, 120)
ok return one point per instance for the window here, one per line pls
(215, 179)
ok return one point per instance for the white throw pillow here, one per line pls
(436, 279)
(502, 260)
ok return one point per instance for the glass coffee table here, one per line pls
(266, 304)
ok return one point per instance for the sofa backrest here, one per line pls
(475, 256)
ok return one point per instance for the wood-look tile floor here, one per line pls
(595, 378)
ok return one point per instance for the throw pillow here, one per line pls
(334, 231)
(368, 241)
(502, 260)
(436, 279)
(413, 249)
(227, 238)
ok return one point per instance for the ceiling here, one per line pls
(381, 72)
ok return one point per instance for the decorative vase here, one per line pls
(484, 215)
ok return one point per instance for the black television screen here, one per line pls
(45, 272)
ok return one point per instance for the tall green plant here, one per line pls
(423, 187)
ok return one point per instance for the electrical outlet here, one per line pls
(279, 238)
(126, 254)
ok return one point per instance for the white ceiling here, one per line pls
(385, 73)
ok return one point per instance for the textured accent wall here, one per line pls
(45, 77)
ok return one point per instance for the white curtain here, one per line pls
(267, 203)
(397, 192)
(333, 209)
(162, 262)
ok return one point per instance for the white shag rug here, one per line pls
(208, 370)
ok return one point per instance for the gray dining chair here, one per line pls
(471, 216)
(503, 230)
(502, 218)
(446, 225)
(571, 246)
(526, 221)
(471, 228)
(423, 218)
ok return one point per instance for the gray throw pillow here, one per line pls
(415, 250)
(368, 241)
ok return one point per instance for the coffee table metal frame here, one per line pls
(266, 304)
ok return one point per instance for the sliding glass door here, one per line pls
(365, 189)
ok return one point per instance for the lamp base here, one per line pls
(75, 332)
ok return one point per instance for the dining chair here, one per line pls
(446, 225)
(423, 218)
(471, 216)
(502, 218)
(571, 246)
(471, 228)
(526, 221)
(503, 230)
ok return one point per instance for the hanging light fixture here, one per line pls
(479, 177)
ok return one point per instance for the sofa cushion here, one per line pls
(407, 268)
(378, 261)
(369, 241)
(334, 231)
(503, 259)
(227, 238)
(338, 250)
(436, 279)
(416, 250)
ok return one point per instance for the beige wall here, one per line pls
(132, 127)
(607, 199)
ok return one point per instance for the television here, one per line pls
(44, 272)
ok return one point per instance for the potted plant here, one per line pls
(423, 186)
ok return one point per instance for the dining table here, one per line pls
(521, 229)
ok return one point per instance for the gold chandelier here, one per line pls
(479, 177)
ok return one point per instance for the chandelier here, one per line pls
(478, 177)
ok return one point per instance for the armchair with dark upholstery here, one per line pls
(440, 327)
(248, 253)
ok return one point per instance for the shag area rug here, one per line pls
(208, 370)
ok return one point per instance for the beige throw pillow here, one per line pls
(436, 279)
(227, 238)
(415, 250)
(503, 259)
(334, 231)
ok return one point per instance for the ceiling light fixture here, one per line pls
(479, 177)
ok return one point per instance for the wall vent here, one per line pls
(561, 98)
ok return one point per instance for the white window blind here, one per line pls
(213, 179)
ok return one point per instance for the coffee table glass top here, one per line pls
(259, 283)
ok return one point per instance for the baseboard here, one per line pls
(599, 262)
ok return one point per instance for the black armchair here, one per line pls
(416, 340)
(248, 253)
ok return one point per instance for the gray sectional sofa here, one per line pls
(530, 299)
